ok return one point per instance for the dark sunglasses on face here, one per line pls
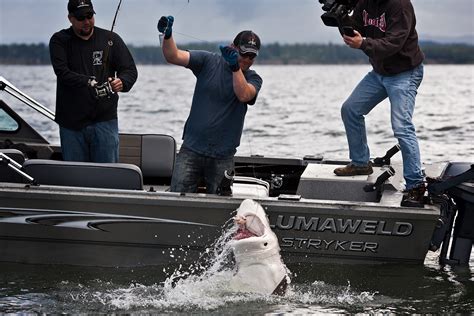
(83, 17)
(250, 56)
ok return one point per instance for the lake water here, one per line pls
(297, 114)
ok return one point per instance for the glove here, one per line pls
(230, 55)
(165, 25)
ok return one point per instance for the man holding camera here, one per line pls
(225, 87)
(385, 31)
(85, 59)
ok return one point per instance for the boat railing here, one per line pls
(5, 160)
(8, 87)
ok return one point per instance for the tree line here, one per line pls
(272, 54)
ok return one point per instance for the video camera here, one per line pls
(336, 11)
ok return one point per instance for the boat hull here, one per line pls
(121, 228)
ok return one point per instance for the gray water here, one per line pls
(297, 114)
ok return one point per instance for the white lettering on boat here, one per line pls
(343, 225)
(328, 245)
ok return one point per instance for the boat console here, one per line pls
(318, 181)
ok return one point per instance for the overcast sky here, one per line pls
(284, 21)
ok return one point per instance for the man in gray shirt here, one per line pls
(225, 86)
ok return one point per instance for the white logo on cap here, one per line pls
(82, 4)
(252, 42)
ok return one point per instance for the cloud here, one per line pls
(285, 21)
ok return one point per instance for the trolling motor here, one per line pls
(454, 192)
(336, 11)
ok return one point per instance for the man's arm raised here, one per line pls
(172, 54)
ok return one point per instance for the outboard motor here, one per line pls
(454, 191)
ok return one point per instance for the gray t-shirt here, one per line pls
(216, 120)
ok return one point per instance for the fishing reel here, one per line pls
(101, 91)
(336, 11)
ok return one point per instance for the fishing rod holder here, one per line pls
(385, 160)
(377, 186)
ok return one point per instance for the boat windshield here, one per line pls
(7, 123)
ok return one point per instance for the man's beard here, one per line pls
(83, 32)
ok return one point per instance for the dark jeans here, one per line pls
(192, 167)
(98, 142)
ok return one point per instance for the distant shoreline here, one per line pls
(271, 54)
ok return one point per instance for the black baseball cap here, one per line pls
(247, 42)
(79, 8)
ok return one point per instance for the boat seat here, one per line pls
(85, 174)
(158, 155)
(6, 173)
(155, 154)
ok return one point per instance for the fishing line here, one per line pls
(251, 154)
(185, 6)
(193, 37)
(182, 8)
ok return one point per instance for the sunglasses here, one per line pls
(83, 17)
(250, 56)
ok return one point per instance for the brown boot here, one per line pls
(352, 170)
(415, 197)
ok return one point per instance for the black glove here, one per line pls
(165, 25)
(231, 56)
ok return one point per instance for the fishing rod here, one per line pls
(110, 43)
(104, 89)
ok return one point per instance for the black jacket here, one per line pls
(74, 61)
(391, 38)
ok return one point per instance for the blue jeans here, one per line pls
(192, 167)
(401, 89)
(98, 142)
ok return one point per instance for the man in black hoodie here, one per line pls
(92, 65)
(385, 31)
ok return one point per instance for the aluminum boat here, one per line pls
(122, 215)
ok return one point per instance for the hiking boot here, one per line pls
(415, 197)
(353, 170)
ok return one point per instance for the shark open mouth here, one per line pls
(248, 225)
(243, 233)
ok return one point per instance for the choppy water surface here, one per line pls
(204, 288)
(297, 114)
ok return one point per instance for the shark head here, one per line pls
(251, 220)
